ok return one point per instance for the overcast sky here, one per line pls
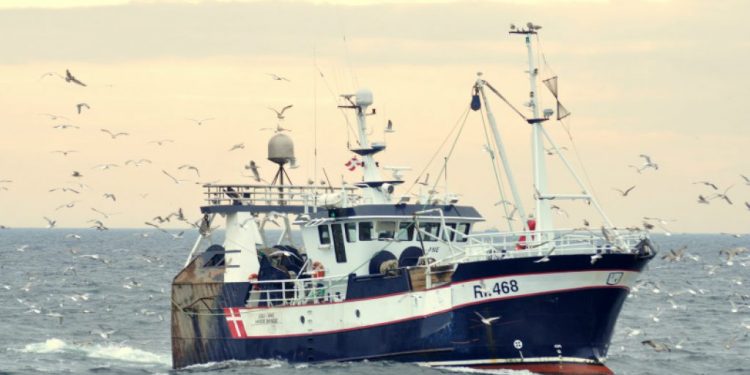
(665, 78)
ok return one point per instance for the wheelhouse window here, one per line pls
(431, 228)
(365, 231)
(385, 230)
(324, 234)
(463, 232)
(448, 234)
(351, 232)
(405, 231)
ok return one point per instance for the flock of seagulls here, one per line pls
(79, 188)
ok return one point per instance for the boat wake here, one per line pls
(111, 351)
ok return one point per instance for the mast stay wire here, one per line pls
(448, 156)
(464, 115)
(350, 130)
(566, 125)
(506, 101)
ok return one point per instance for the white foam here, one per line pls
(127, 354)
(52, 345)
(107, 351)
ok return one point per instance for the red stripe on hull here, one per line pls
(551, 368)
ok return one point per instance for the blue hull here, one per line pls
(570, 324)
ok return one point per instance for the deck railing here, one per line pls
(294, 292)
(281, 195)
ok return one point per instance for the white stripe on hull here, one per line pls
(281, 321)
(498, 361)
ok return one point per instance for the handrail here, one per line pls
(282, 195)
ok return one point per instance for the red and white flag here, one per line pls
(235, 323)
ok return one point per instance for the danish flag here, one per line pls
(235, 323)
(353, 163)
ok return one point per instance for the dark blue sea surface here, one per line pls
(100, 305)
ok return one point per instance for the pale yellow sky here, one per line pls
(639, 77)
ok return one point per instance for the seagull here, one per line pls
(723, 195)
(114, 135)
(106, 215)
(487, 321)
(65, 190)
(747, 204)
(702, 199)
(73, 235)
(551, 151)
(657, 346)
(200, 121)
(138, 162)
(105, 166)
(110, 196)
(176, 181)
(545, 258)
(188, 166)
(161, 142)
(254, 168)
(426, 179)
(731, 253)
(675, 255)
(625, 193)
(80, 106)
(68, 205)
(747, 180)
(100, 227)
(70, 78)
(648, 163)
(558, 209)
(65, 126)
(278, 77)
(237, 147)
(51, 74)
(389, 127)
(22, 248)
(63, 152)
(54, 117)
(707, 183)
(50, 223)
(280, 114)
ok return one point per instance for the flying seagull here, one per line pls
(254, 168)
(50, 223)
(176, 181)
(200, 121)
(110, 196)
(657, 346)
(80, 106)
(280, 114)
(70, 78)
(138, 162)
(238, 146)
(747, 180)
(188, 166)
(54, 117)
(161, 142)
(626, 191)
(66, 126)
(723, 195)
(114, 135)
(63, 152)
(278, 77)
(707, 183)
(426, 179)
(702, 199)
(487, 321)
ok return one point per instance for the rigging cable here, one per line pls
(506, 101)
(447, 137)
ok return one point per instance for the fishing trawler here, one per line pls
(378, 276)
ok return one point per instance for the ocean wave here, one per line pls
(111, 351)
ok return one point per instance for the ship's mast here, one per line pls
(372, 184)
(543, 212)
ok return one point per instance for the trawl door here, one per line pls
(338, 242)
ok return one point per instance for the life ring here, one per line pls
(318, 270)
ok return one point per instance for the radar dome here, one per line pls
(281, 149)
